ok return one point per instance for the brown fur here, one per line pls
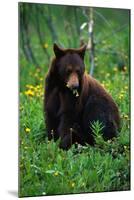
(73, 100)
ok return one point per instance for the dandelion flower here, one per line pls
(56, 173)
(121, 96)
(38, 86)
(102, 84)
(27, 130)
(107, 84)
(126, 87)
(29, 93)
(45, 45)
(125, 68)
(95, 59)
(126, 117)
(122, 92)
(115, 69)
(72, 184)
(29, 86)
(107, 75)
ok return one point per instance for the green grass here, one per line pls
(47, 170)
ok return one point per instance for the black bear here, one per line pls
(73, 100)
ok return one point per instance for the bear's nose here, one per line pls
(75, 87)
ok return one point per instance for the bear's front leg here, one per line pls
(66, 132)
(51, 125)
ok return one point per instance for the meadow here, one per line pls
(44, 168)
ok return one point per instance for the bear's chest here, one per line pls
(68, 102)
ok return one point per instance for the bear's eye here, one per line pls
(78, 71)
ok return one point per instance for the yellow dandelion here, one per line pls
(38, 86)
(107, 75)
(45, 45)
(35, 89)
(29, 86)
(126, 117)
(115, 69)
(102, 84)
(72, 184)
(27, 130)
(56, 173)
(123, 92)
(41, 79)
(125, 68)
(29, 92)
(95, 59)
(107, 84)
(121, 96)
(126, 87)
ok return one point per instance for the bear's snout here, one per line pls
(73, 81)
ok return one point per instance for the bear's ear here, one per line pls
(59, 52)
(81, 51)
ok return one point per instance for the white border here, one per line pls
(9, 99)
(95, 3)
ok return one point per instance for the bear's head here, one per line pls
(70, 66)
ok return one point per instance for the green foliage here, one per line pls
(44, 168)
(97, 128)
